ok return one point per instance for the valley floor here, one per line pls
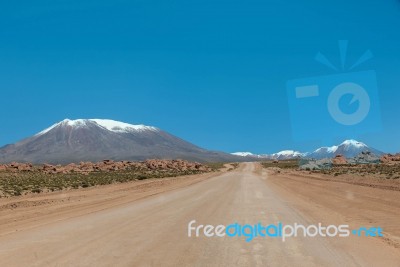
(145, 223)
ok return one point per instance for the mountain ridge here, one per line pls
(70, 141)
(348, 148)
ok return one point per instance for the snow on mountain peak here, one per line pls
(346, 144)
(331, 149)
(122, 127)
(111, 125)
(74, 123)
(242, 154)
(285, 154)
(348, 148)
(288, 153)
(354, 143)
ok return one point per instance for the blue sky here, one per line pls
(211, 72)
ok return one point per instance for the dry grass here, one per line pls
(19, 183)
(283, 164)
(371, 170)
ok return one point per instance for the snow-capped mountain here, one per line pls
(243, 154)
(282, 155)
(97, 139)
(111, 125)
(287, 154)
(349, 149)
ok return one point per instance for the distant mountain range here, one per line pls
(285, 154)
(97, 139)
(349, 149)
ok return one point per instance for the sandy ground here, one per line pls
(144, 223)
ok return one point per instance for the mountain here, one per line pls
(349, 149)
(97, 139)
(243, 154)
(285, 154)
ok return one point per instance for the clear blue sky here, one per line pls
(212, 72)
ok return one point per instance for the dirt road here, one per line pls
(135, 226)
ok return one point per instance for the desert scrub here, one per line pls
(381, 171)
(284, 164)
(235, 165)
(216, 165)
(15, 184)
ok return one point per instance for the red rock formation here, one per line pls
(109, 166)
(339, 160)
(390, 159)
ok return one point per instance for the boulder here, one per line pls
(313, 164)
(365, 157)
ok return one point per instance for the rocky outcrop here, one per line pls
(390, 159)
(339, 160)
(16, 167)
(321, 164)
(108, 166)
(365, 157)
